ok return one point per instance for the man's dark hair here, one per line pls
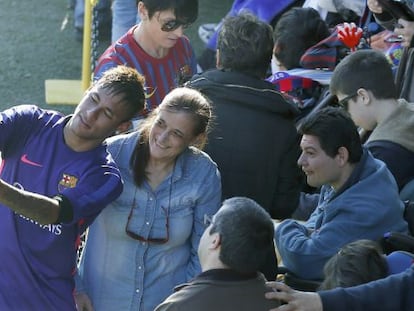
(185, 11)
(246, 232)
(368, 69)
(297, 30)
(334, 128)
(356, 263)
(245, 44)
(128, 83)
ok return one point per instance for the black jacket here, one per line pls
(254, 140)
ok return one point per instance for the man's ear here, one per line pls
(365, 95)
(342, 156)
(142, 11)
(215, 241)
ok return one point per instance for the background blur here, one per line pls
(37, 43)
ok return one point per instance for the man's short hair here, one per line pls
(127, 82)
(334, 128)
(246, 232)
(368, 69)
(245, 44)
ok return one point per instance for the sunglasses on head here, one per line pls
(173, 24)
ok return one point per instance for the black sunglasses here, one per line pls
(173, 24)
(157, 240)
(343, 103)
(149, 239)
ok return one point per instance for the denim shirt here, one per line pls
(122, 273)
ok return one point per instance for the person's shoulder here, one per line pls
(35, 113)
(31, 109)
(129, 137)
(197, 162)
(199, 157)
(122, 141)
(179, 301)
(203, 77)
(184, 40)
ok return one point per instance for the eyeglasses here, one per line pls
(343, 103)
(154, 240)
(173, 24)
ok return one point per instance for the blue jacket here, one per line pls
(121, 273)
(366, 206)
(395, 292)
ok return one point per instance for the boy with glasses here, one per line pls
(364, 85)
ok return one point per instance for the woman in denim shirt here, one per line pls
(145, 243)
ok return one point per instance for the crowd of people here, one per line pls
(188, 188)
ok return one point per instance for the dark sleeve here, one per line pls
(66, 210)
(307, 204)
(395, 292)
(399, 160)
(286, 196)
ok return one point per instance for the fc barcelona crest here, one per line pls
(67, 181)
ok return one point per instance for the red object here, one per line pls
(350, 34)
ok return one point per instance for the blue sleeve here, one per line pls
(305, 251)
(300, 250)
(395, 292)
(16, 124)
(99, 187)
(209, 204)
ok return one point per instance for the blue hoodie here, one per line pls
(366, 206)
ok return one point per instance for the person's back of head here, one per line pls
(127, 83)
(246, 233)
(334, 128)
(356, 263)
(297, 30)
(368, 69)
(245, 44)
(186, 11)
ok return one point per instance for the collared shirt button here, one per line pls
(137, 290)
(139, 267)
(147, 223)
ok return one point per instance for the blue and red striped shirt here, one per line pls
(161, 74)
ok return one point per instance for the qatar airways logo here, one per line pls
(56, 229)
